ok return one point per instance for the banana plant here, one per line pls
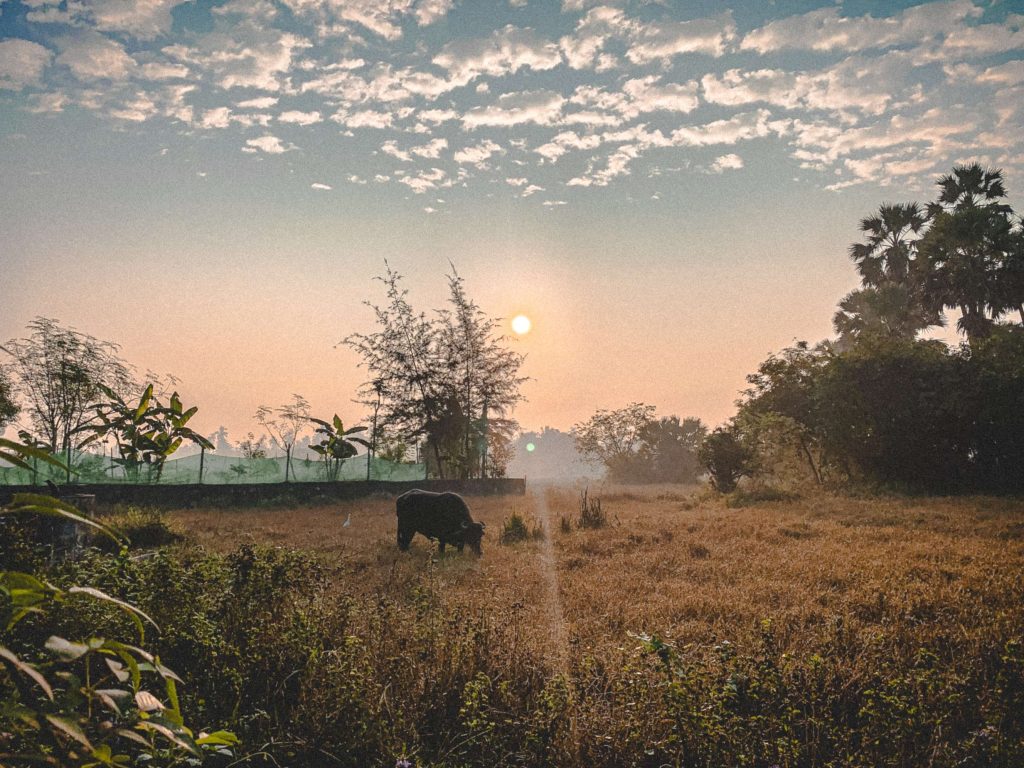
(91, 702)
(146, 433)
(337, 444)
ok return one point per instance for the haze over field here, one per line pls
(668, 193)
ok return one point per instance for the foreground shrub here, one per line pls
(517, 528)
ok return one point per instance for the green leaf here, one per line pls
(177, 736)
(218, 738)
(52, 507)
(143, 403)
(99, 595)
(27, 670)
(66, 650)
(69, 728)
(338, 425)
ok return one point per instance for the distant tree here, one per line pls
(726, 458)
(284, 424)
(897, 412)
(780, 406)
(891, 302)
(252, 448)
(8, 405)
(969, 251)
(57, 374)
(220, 439)
(146, 432)
(614, 437)
(336, 444)
(668, 450)
(891, 310)
(441, 380)
(483, 374)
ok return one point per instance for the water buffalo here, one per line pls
(441, 516)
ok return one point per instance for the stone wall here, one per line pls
(265, 494)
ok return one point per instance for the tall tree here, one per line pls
(483, 375)
(891, 303)
(889, 250)
(614, 437)
(284, 424)
(969, 250)
(443, 380)
(8, 405)
(57, 373)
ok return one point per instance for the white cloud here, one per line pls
(269, 144)
(257, 58)
(426, 180)
(564, 142)
(582, 49)
(437, 116)
(478, 154)
(429, 11)
(505, 52)
(156, 70)
(318, 185)
(727, 163)
(616, 165)
(299, 118)
(145, 19)
(390, 147)
(825, 30)
(366, 118)
(140, 18)
(431, 150)
(517, 182)
(91, 56)
(1010, 73)
(220, 117)
(553, 203)
(746, 125)
(136, 110)
(666, 39)
(647, 95)
(263, 102)
(541, 107)
(22, 63)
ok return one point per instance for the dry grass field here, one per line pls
(689, 630)
(684, 566)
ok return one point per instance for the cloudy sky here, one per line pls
(667, 189)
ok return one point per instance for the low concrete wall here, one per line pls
(266, 494)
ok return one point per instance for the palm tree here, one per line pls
(890, 249)
(968, 186)
(968, 252)
(891, 302)
(890, 310)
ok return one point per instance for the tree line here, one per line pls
(879, 404)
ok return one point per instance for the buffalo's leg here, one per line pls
(440, 545)
(404, 539)
(461, 545)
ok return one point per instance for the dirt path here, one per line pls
(549, 569)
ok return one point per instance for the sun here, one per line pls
(521, 324)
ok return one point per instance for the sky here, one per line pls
(668, 190)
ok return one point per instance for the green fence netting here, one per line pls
(92, 468)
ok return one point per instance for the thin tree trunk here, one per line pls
(287, 460)
(810, 462)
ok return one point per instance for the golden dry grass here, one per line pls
(685, 566)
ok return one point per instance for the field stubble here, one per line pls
(866, 608)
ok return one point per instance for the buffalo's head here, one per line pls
(472, 534)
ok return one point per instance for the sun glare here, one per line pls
(521, 324)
